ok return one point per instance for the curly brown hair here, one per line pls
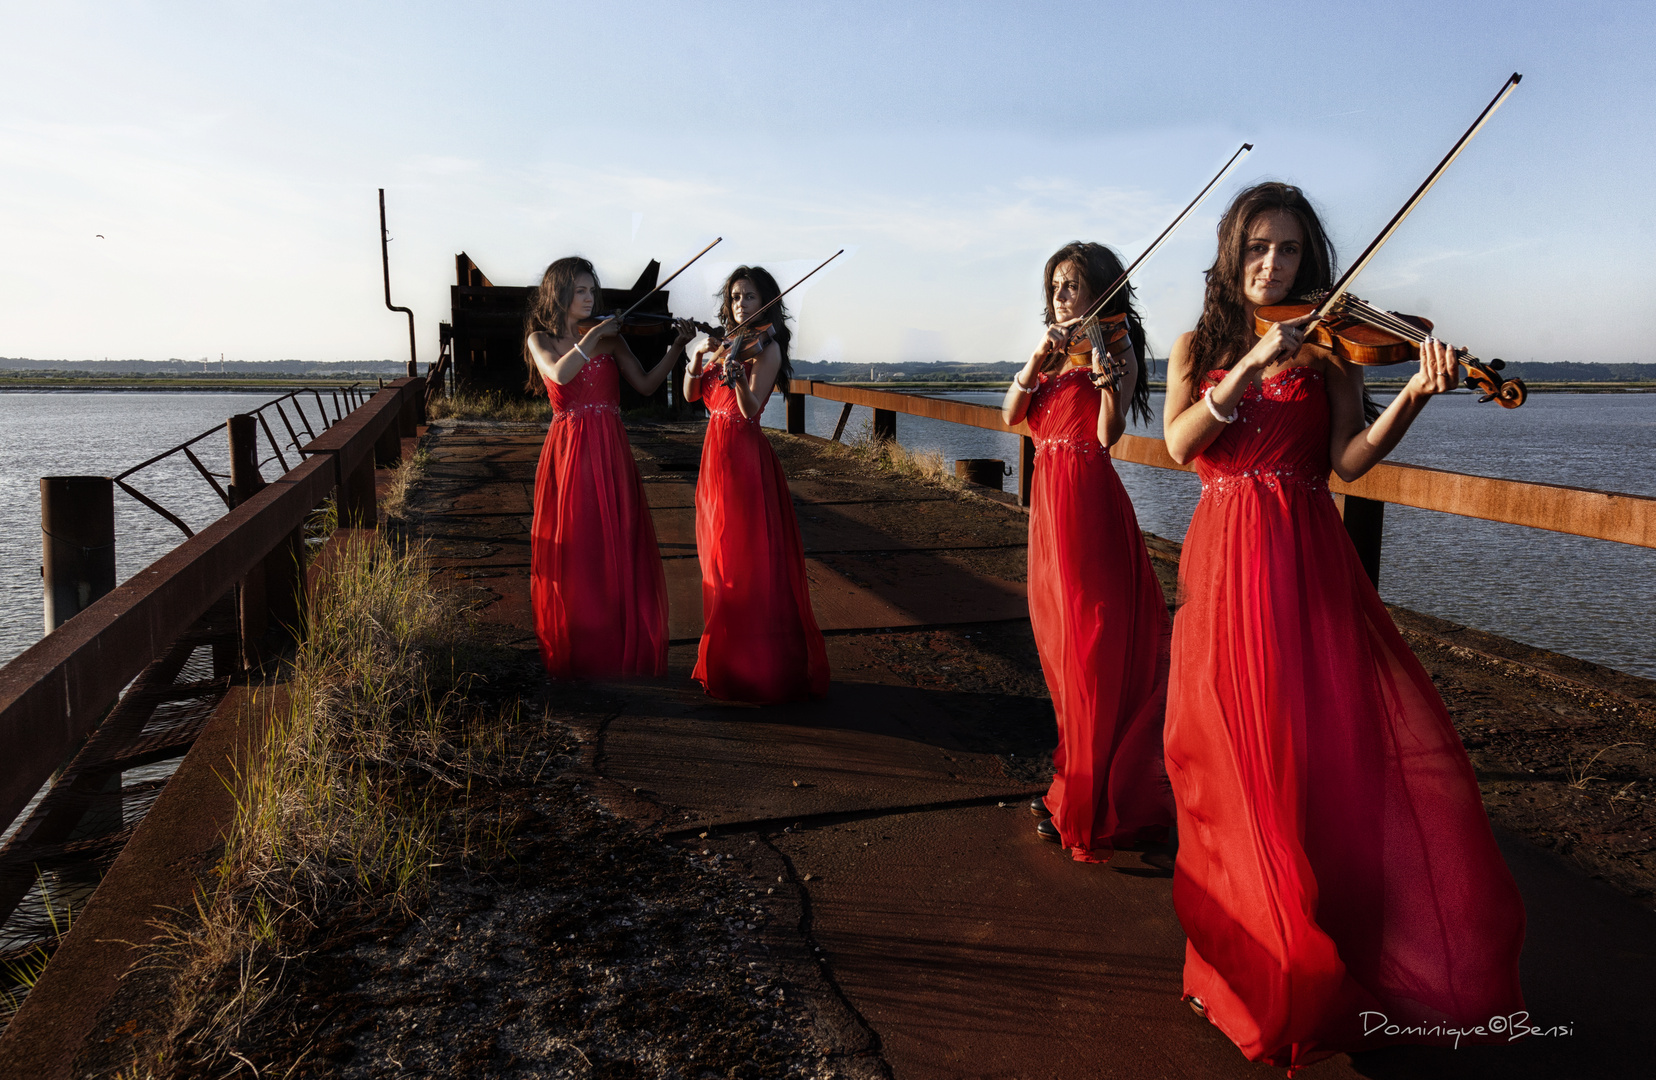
(776, 315)
(548, 307)
(1100, 268)
(1224, 331)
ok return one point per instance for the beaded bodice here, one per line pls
(1279, 437)
(1063, 413)
(721, 399)
(596, 388)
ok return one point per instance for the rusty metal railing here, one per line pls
(1602, 515)
(345, 400)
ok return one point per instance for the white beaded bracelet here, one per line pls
(1214, 409)
(582, 351)
(1018, 382)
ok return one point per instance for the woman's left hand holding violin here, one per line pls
(1439, 370)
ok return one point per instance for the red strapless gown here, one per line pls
(1100, 626)
(1334, 855)
(760, 643)
(596, 581)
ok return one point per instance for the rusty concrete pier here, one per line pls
(952, 941)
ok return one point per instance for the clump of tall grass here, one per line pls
(490, 405)
(396, 505)
(366, 751)
(891, 457)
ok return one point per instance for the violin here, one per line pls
(640, 322)
(744, 346)
(1359, 333)
(1100, 332)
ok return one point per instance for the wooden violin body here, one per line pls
(1103, 333)
(1358, 333)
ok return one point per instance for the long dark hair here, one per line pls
(776, 314)
(1100, 268)
(548, 307)
(1224, 331)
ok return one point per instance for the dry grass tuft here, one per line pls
(491, 406)
(344, 802)
(396, 507)
(892, 458)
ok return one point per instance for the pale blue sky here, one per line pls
(230, 152)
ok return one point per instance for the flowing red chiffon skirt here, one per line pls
(760, 641)
(596, 582)
(1100, 626)
(1336, 870)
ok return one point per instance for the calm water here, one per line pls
(101, 434)
(1586, 598)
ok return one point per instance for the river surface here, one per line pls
(1586, 598)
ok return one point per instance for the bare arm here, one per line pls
(753, 391)
(1355, 446)
(1188, 425)
(563, 365)
(1112, 404)
(645, 382)
(693, 372)
(1015, 405)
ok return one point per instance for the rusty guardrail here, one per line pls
(59, 689)
(1601, 515)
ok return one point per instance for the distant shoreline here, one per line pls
(248, 386)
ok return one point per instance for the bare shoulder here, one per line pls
(542, 343)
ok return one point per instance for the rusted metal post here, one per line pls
(1364, 522)
(385, 261)
(987, 472)
(885, 424)
(245, 479)
(246, 482)
(77, 541)
(839, 428)
(1026, 469)
(796, 413)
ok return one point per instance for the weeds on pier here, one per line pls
(492, 405)
(890, 456)
(368, 751)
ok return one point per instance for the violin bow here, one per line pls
(777, 299)
(623, 316)
(1340, 287)
(1121, 281)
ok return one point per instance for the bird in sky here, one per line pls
(100, 236)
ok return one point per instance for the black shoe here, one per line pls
(1039, 807)
(1047, 831)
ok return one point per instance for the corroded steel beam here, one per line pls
(1602, 515)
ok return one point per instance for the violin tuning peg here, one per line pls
(1497, 364)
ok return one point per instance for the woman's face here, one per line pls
(586, 297)
(1271, 257)
(1070, 295)
(744, 299)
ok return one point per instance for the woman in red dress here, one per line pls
(596, 582)
(1337, 878)
(760, 643)
(1098, 615)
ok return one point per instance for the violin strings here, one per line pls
(1392, 323)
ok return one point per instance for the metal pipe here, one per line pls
(385, 262)
(77, 541)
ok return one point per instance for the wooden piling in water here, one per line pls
(77, 540)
